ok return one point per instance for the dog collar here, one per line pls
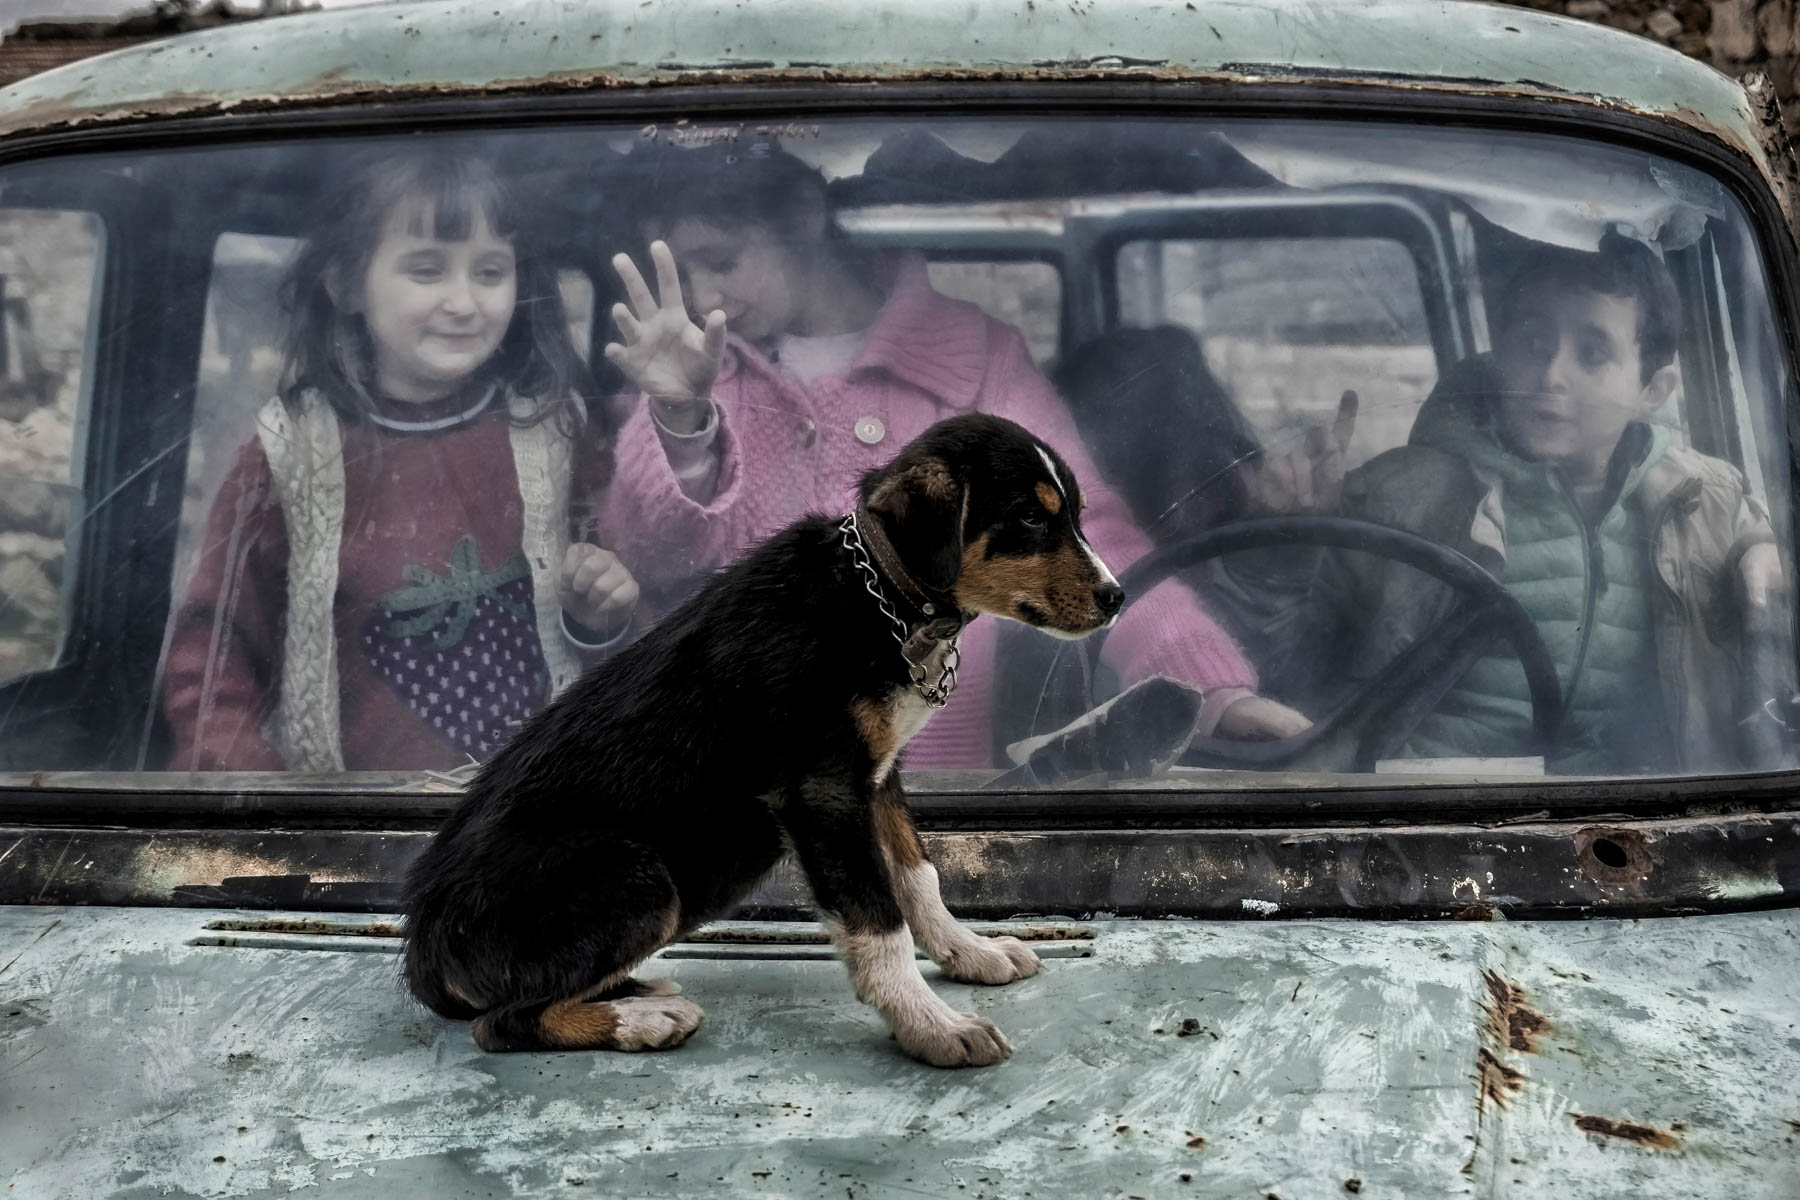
(887, 559)
(940, 632)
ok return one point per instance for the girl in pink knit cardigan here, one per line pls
(814, 365)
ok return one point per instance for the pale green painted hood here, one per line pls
(459, 46)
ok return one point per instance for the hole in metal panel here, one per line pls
(1610, 853)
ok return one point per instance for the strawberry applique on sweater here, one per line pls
(461, 649)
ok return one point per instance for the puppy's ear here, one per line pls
(920, 507)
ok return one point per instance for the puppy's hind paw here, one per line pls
(991, 961)
(964, 1040)
(658, 1022)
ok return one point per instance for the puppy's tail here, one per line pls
(430, 964)
(430, 989)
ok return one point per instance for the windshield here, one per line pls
(1419, 451)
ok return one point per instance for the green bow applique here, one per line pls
(429, 598)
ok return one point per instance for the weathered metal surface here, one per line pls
(1778, 146)
(1223, 1059)
(1580, 868)
(469, 47)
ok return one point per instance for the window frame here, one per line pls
(1393, 217)
(39, 796)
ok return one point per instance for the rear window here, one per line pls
(1411, 468)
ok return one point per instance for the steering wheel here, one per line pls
(1369, 724)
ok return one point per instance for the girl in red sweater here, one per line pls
(388, 579)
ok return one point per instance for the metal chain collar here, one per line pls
(915, 648)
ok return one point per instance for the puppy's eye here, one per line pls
(1033, 521)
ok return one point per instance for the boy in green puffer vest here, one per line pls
(1647, 567)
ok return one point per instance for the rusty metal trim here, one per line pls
(1689, 865)
(332, 92)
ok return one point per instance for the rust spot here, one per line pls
(1615, 855)
(1647, 1136)
(1510, 1021)
(373, 929)
(1189, 1027)
(1497, 1081)
(1196, 1142)
(1478, 912)
(1794, 1125)
(1353, 1185)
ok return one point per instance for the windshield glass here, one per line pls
(1443, 452)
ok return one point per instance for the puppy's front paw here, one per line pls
(961, 1040)
(658, 1022)
(990, 961)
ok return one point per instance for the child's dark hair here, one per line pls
(328, 349)
(1622, 267)
(729, 184)
(1161, 427)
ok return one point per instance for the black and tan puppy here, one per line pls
(770, 707)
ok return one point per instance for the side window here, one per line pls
(48, 264)
(1288, 324)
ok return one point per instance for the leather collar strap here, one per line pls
(924, 645)
(938, 612)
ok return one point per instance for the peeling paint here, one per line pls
(1496, 1083)
(469, 50)
(1743, 888)
(1647, 1136)
(1511, 1022)
(376, 929)
(161, 866)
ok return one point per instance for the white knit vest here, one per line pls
(306, 460)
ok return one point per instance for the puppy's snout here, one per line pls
(1110, 598)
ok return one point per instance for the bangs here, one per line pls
(442, 196)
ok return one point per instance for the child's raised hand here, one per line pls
(1308, 477)
(663, 351)
(595, 588)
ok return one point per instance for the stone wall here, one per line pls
(1733, 36)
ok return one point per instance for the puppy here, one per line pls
(768, 711)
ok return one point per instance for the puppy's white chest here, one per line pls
(907, 714)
